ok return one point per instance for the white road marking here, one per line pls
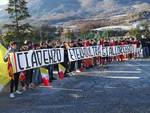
(142, 69)
(140, 65)
(122, 77)
(69, 105)
(138, 69)
(54, 106)
(140, 60)
(75, 96)
(45, 86)
(109, 87)
(64, 89)
(99, 91)
(102, 72)
(127, 72)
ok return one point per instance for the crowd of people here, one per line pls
(31, 78)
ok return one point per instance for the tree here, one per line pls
(135, 32)
(146, 31)
(83, 31)
(18, 11)
(69, 34)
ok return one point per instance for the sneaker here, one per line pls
(24, 88)
(69, 74)
(78, 71)
(72, 73)
(12, 95)
(31, 86)
(18, 92)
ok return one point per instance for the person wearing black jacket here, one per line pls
(145, 45)
(29, 73)
(79, 62)
(50, 67)
(15, 79)
(66, 60)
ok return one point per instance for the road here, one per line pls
(120, 88)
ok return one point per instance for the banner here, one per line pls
(79, 53)
(118, 50)
(36, 58)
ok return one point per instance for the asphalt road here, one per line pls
(120, 88)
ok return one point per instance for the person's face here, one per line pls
(25, 48)
(49, 43)
(14, 46)
(30, 44)
(112, 40)
(45, 45)
(80, 41)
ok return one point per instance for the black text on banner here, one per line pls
(79, 53)
(37, 58)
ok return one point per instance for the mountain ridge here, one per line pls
(67, 10)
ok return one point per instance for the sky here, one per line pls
(3, 2)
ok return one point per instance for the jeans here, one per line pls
(14, 82)
(29, 74)
(50, 71)
(145, 52)
(72, 66)
(79, 64)
(37, 78)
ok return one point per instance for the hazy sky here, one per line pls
(3, 2)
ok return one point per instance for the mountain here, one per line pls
(55, 11)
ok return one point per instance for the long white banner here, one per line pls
(36, 58)
(26, 60)
(79, 53)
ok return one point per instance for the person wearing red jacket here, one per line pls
(121, 56)
(112, 43)
(101, 59)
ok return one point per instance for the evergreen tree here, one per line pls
(18, 11)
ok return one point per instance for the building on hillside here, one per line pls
(112, 31)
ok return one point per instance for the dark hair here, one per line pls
(13, 43)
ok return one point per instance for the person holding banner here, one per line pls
(101, 59)
(121, 56)
(112, 43)
(50, 67)
(79, 62)
(66, 59)
(72, 64)
(14, 76)
(29, 73)
(138, 50)
(87, 61)
(93, 43)
(37, 77)
(106, 44)
(23, 74)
